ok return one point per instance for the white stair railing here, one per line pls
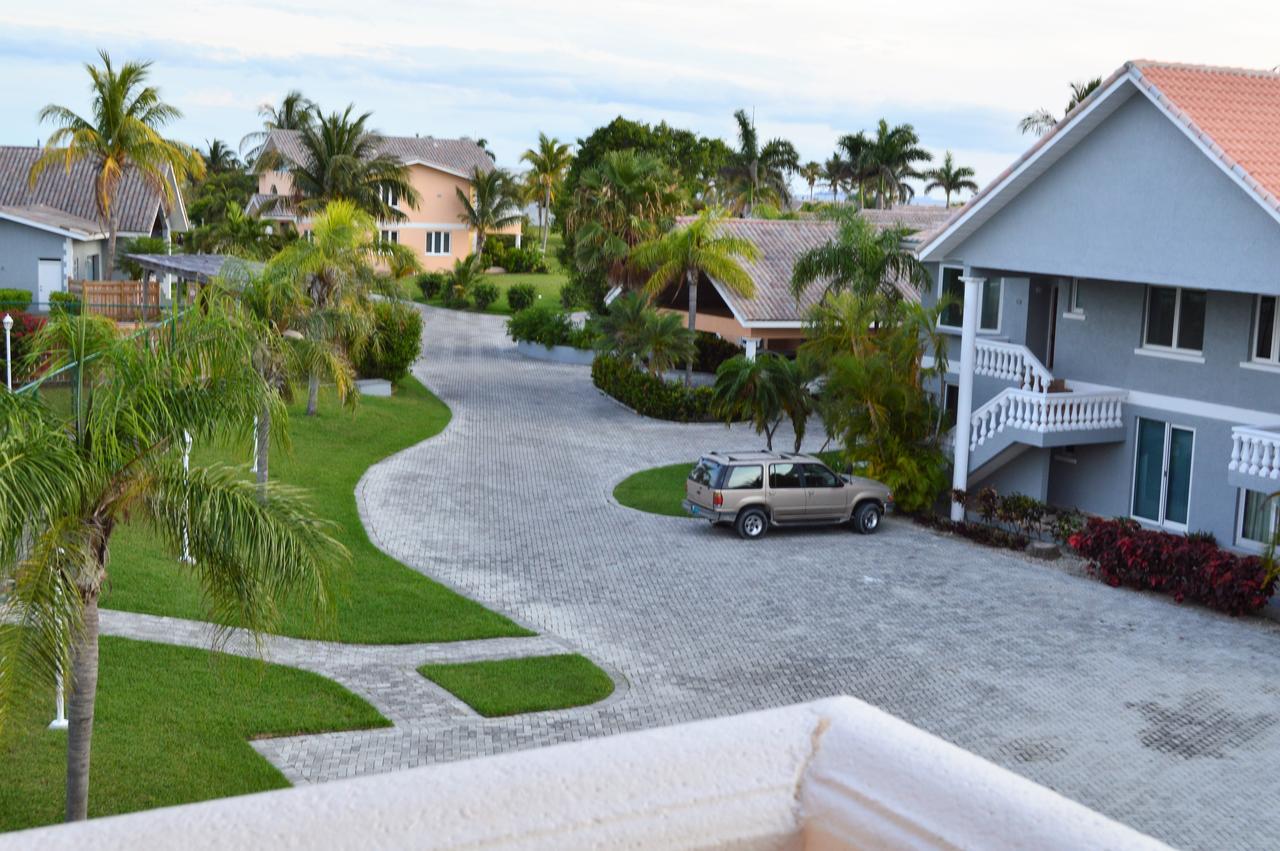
(1255, 451)
(1045, 412)
(1011, 362)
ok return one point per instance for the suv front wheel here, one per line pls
(752, 523)
(866, 519)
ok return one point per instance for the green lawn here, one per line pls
(531, 684)
(548, 287)
(380, 601)
(173, 726)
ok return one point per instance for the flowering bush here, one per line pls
(24, 326)
(1120, 552)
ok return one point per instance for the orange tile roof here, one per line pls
(1234, 111)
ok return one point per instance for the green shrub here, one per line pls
(432, 283)
(137, 245)
(396, 343)
(484, 294)
(712, 351)
(64, 303)
(521, 297)
(543, 323)
(14, 300)
(524, 260)
(455, 297)
(649, 395)
(493, 254)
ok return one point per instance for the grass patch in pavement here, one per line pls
(531, 684)
(173, 726)
(380, 601)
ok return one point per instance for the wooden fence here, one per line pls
(123, 301)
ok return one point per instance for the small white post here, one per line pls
(8, 353)
(750, 344)
(254, 468)
(186, 468)
(964, 398)
(59, 721)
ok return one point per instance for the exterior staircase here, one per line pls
(1037, 412)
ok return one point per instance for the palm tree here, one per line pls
(466, 273)
(950, 178)
(1042, 120)
(858, 169)
(490, 206)
(685, 254)
(335, 269)
(70, 481)
(295, 112)
(483, 144)
(237, 233)
(758, 173)
(745, 389)
(547, 166)
(834, 172)
(663, 342)
(621, 328)
(122, 135)
(341, 162)
(219, 158)
(860, 259)
(812, 173)
(890, 161)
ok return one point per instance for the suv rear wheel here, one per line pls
(866, 517)
(752, 523)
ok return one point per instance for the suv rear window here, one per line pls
(706, 473)
(746, 477)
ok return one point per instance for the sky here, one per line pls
(961, 71)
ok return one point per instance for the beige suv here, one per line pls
(756, 490)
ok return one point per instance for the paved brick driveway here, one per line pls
(1161, 716)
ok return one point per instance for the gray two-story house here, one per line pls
(1116, 329)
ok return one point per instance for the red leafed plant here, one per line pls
(1120, 552)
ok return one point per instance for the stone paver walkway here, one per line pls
(1164, 717)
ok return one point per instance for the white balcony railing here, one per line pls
(1011, 362)
(1046, 412)
(1255, 451)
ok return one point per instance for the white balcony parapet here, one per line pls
(1045, 413)
(1255, 451)
(1011, 362)
(832, 774)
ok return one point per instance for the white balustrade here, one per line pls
(1046, 412)
(1011, 362)
(1255, 451)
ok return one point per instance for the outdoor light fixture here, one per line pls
(8, 358)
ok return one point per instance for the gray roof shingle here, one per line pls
(73, 192)
(459, 156)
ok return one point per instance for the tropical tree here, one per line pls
(335, 270)
(294, 112)
(890, 161)
(764, 391)
(812, 173)
(491, 204)
(1042, 120)
(219, 157)
(483, 144)
(834, 172)
(121, 136)
(950, 178)
(620, 330)
(341, 161)
(755, 172)
(466, 273)
(860, 258)
(547, 167)
(853, 153)
(665, 342)
(685, 254)
(237, 233)
(70, 481)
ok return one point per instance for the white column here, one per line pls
(750, 344)
(519, 235)
(964, 398)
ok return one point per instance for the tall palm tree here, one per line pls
(295, 112)
(685, 254)
(335, 269)
(834, 171)
(122, 135)
(70, 481)
(547, 166)
(812, 173)
(891, 159)
(758, 173)
(341, 162)
(219, 157)
(491, 205)
(1042, 120)
(763, 391)
(950, 178)
(237, 233)
(622, 201)
(858, 167)
(860, 259)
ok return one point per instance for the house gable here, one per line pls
(1134, 199)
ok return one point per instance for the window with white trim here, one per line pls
(1073, 298)
(1174, 319)
(389, 196)
(1259, 517)
(989, 307)
(439, 242)
(1266, 331)
(392, 236)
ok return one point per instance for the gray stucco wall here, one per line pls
(1135, 200)
(21, 248)
(82, 251)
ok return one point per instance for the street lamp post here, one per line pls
(8, 353)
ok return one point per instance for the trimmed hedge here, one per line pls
(1194, 568)
(550, 326)
(396, 343)
(64, 303)
(649, 395)
(521, 297)
(14, 300)
(432, 283)
(484, 294)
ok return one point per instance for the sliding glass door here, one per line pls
(1162, 473)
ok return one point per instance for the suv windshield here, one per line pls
(706, 473)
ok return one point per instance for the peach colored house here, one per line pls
(437, 169)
